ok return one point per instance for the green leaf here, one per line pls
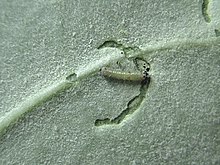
(56, 107)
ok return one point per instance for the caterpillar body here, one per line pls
(123, 75)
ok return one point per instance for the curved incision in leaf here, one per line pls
(132, 106)
(115, 44)
(110, 43)
(135, 102)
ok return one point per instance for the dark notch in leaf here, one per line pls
(205, 13)
(110, 43)
(71, 77)
(217, 32)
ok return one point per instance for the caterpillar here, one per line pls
(124, 75)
